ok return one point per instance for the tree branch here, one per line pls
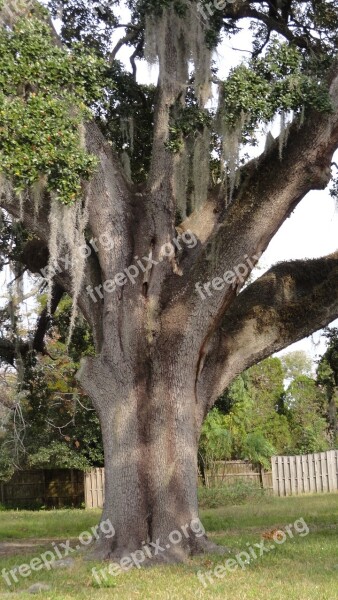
(9, 350)
(270, 190)
(243, 10)
(129, 37)
(286, 304)
(44, 320)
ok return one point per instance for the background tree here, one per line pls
(58, 427)
(254, 405)
(215, 444)
(296, 363)
(72, 118)
(307, 416)
(327, 377)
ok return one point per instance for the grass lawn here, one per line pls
(302, 568)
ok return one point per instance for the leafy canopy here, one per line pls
(45, 94)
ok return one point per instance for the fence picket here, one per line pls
(294, 475)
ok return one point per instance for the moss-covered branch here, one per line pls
(286, 304)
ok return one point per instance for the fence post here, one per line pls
(274, 467)
(331, 467)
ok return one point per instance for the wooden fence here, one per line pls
(53, 488)
(290, 475)
(226, 472)
(309, 473)
(94, 488)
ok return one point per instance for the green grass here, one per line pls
(303, 568)
(57, 524)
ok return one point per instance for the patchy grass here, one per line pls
(57, 524)
(303, 568)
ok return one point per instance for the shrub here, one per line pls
(234, 493)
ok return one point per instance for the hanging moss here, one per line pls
(231, 136)
(125, 160)
(55, 243)
(282, 134)
(201, 168)
(188, 32)
(181, 178)
(67, 237)
(37, 192)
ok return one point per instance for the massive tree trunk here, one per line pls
(166, 352)
(150, 427)
(166, 344)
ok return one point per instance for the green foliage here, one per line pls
(327, 378)
(327, 371)
(189, 121)
(252, 425)
(268, 85)
(263, 419)
(311, 438)
(230, 494)
(82, 343)
(296, 363)
(13, 236)
(91, 23)
(258, 449)
(129, 102)
(215, 441)
(45, 93)
(266, 381)
(155, 7)
(307, 420)
(57, 455)
(6, 463)
(259, 408)
(61, 428)
(277, 431)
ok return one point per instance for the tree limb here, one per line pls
(44, 320)
(129, 37)
(288, 303)
(270, 190)
(9, 350)
(243, 10)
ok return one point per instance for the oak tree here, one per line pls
(152, 215)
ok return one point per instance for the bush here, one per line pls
(234, 493)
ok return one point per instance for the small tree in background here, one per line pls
(327, 377)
